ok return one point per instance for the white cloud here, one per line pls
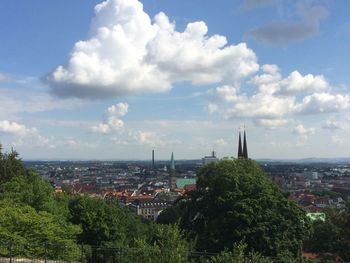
(261, 106)
(143, 137)
(101, 128)
(271, 82)
(33, 140)
(113, 122)
(323, 103)
(271, 123)
(127, 53)
(276, 98)
(296, 83)
(221, 142)
(303, 133)
(332, 125)
(15, 128)
(226, 93)
(212, 108)
(21, 135)
(301, 130)
(118, 110)
(152, 138)
(337, 140)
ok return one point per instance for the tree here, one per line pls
(238, 255)
(331, 237)
(30, 231)
(31, 189)
(234, 202)
(166, 243)
(104, 223)
(171, 215)
(10, 165)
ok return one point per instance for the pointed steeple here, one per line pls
(240, 153)
(172, 179)
(245, 148)
(172, 162)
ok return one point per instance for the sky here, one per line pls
(115, 79)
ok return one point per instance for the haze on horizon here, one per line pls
(115, 79)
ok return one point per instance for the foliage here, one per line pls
(28, 230)
(28, 217)
(104, 223)
(29, 189)
(332, 237)
(36, 221)
(168, 244)
(171, 215)
(10, 165)
(238, 255)
(235, 202)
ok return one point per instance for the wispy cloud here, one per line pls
(4, 77)
(27, 100)
(306, 24)
(252, 4)
(332, 125)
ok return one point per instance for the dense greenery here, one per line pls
(29, 231)
(331, 238)
(35, 221)
(105, 223)
(10, 165)
(29, 214)
(235, 202)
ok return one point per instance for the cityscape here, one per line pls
(149, 187)
(152, 131)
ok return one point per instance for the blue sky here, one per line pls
(115, 79)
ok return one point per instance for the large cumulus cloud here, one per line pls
(128, 52)
(276, 98)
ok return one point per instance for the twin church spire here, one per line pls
(242, 151)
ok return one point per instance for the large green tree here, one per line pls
(27, 232)
(105, 223)
(235, 201)
(31, 189)
(10, 165)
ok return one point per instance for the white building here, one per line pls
(210, 159)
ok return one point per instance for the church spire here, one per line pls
(240, 153)
(172, 179)
(172, 162)
(245, 148)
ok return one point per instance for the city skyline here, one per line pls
(116, 79)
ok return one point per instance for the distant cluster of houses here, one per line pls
(148, 201)
(315, 204)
